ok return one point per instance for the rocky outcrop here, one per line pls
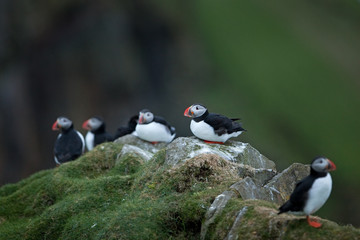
(183, 148)
(131, 189)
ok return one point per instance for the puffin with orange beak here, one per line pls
(96, 132)
(154, 128)
(311, 193)
(69, 144)
(212, 127)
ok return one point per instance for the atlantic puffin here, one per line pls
(154, 128)
(311, 193)
(69, 144)
(96, 132)
(129, 129)
(212, 127)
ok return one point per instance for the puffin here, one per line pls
(311, 193)
(69, 144)
(154, 129)
(212, 127)
(129, 129)
(96, 132)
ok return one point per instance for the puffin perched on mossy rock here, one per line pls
(212, 127)
(96, 132)
(311, 193)
(153, 128)
(69, 144)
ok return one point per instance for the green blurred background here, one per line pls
(289, 69)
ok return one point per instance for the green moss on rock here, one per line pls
(108, 195)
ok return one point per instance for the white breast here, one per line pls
(89, 138)
(82, 140)
(318, 194)
(154, 132)
(204, 131)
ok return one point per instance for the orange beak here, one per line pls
(188, 113)
(55, 126)
(141, 118)
(86, 125)
(331, 166)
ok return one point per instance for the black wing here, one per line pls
(222, 124)
(68, 147)
(164, 122)
(299, 196)
(122, 131)
(103, 137)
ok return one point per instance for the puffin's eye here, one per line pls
(321, 161)
(197, 108)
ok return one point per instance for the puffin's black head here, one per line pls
(322, 164)
(62, 124)
(195, 110)
(145, 116)
(93, 124)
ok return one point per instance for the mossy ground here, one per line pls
(101, 197)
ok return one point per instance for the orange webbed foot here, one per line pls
(314, 224)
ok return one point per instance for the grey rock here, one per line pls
(282, 185)
(248, 189)
(233, 233)
(135, 151)
(135, 141)
(260, 175)
(182, 149)
(277, 190)
(215, 209)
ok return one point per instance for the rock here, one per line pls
(215, 209)
(135, 141)
(260, 175)
(133, 150)
(282, 185)
(183, 148)
(128, 187)
(248, 189)
(277, 190)
(233, 233)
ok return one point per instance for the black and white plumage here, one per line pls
(96, 132)
(154, 128)
(212, 127)
(69, 144)
(311, 193)
(129, 129)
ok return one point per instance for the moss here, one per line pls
(261, 221)
(96, 198)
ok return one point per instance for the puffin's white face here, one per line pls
(195, 110)
(62, 123)
(322, 164)
(145, 116)
(92, 123)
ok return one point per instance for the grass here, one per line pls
(105, 196)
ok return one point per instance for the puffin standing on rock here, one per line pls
(69, 144)
(311, 193)
(212, 127)
(154, 129)
(96, 132)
